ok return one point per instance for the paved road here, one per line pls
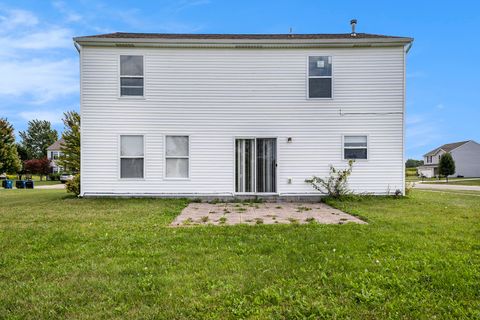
(51, 186)
(434, 186)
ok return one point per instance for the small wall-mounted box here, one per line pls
(289, 180)
(289, 140)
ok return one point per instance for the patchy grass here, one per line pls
(62, 257)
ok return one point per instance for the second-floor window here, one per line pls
(320, 77)
(131, 76)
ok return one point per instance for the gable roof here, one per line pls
(446, 147)
(194, 39)
(130, 35)
(56, 145)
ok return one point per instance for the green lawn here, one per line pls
(62, 257)
(45, 182)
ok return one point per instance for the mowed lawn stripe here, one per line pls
(60, 256)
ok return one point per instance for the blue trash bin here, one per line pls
(8, 184)
(29, 184)
(20, 184)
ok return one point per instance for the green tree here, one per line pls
(412, 163)
(70, 148)
(38, 137)
(9, 160)
(446, 165)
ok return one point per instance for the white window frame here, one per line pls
(308, 76)
(165, 157)
(119, 77)
(120, 157)
(356, 135)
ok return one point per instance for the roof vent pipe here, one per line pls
(353, 23)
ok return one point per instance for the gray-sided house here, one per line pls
(466, 155)
(225, 115)
(53, 154)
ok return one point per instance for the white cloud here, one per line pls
(69, 15)
(44, 39)
(185, 4)
(11, 19)
(421, 130)
(55, 117)
(29, 61)
(416, 74)
(41, 80)
(413, 119)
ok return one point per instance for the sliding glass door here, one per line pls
(256, 165)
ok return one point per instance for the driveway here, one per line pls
(261, 213)
(443, 186)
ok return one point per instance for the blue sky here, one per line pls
(39, 65)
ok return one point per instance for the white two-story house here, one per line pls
(53, 154)
(466, 155)
(226, 115)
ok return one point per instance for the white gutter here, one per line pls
(77, 46)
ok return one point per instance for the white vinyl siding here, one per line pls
(218, 94)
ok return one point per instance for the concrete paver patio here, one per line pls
(261, 213)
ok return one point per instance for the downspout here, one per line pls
(77, 46)
(409, 46)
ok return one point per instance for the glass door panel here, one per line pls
(266, 165)
(245, 165)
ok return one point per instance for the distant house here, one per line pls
(53, 154)
(466, 155)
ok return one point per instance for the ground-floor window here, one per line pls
(256, 165)
(177, 157)
(131, 157)
(355, 147)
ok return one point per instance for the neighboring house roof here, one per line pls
(446, 147)
(315, 39)
(56, 145)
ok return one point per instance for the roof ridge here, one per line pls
(257, 36)
(447, 147)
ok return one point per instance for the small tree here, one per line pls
(38, 137)
(70, 148)
(336, 185)
(446, 166)
(42, 167)
(9, 160)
